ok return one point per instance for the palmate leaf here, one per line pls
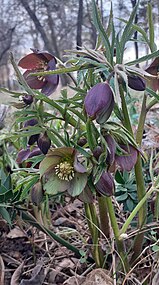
(103, 35)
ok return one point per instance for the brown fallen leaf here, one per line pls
(2, 269)
(75, 280)
(38, 276)
(16, 275)
(98, 276)
(16, 233)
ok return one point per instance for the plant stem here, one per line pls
(116, 231)
(93, 225)
(103, 214)
(141, 191)
(136, 209)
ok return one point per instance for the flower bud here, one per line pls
(99, 102)
(37, 194)
(82, 141)
(105, 185)
(137, 83)
(28, 99)
(33, 139)
(44, 143)
(97, 152)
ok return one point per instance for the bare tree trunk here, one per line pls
(79, 24)
(37, 24)
(133, 2)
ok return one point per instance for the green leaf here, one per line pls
(98, 25)
(118, 177)
(122, 197)
(151, 28)
(153, 93)
(128, 31)
(28, 186)
(144, 58)
(130, 205)
(5, 215)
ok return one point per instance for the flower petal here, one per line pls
(127, 162)
(78, 167)
(31, 61)
(23, 155)
(105, 185)
(33, 81)
(48, 56)
(54, 185)
(77, 184)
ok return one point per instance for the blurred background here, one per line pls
(59, 25)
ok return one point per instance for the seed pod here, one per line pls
(137, 83)
(105, 186)
(99, 102)
(37, 194)
(44, 143)
(28, 99)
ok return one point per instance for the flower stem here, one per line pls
(103, 214)
(141, 191)
(93, 225)
(116, 231)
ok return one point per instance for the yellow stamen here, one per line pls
(65, 171)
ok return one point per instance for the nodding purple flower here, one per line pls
(32, 138)
(136, 83)
(105, 185)
(44, 143)
(40, 61)
(153, 69)
(127, 160)
(99, 102)
(24, 154)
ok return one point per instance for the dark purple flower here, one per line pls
(153, 69)
(40, 61)
(128, 159)
(111, 149)
(44, 143)
(24, 154)
(99, 102)
(32, 138)
(137, 83)
(105, 185)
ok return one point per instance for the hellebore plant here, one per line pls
(92, 136)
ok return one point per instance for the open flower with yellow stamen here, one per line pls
(62, 171)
